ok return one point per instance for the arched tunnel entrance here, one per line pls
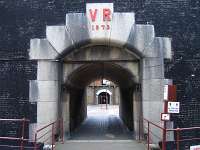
(104, 98)
(124, 73)
(73, 55)
(106, 93)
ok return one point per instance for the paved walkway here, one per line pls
(101, 145)
(102, 130)
(102, 124)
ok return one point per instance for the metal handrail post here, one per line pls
(165, 126)
(178, 139)
(164, 139)
(22, 135)
(62, 130)
(53, 140)
(139, 129)
(148, 137)
(35, 142)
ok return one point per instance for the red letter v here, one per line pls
(93, 15)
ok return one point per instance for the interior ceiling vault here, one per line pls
(110, 71)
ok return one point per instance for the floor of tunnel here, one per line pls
(102, 123)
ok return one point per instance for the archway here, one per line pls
(65, 77)
(92, 71)
(104, 98)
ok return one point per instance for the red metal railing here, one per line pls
(54, 128)
(178, 137)
(21, 139)
(47, 134)
(151, 134)
(164, 131)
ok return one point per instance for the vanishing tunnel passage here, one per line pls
(84, 75)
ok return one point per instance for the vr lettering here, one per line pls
(93, 15)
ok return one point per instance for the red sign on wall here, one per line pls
(99, 15)
(170, 93)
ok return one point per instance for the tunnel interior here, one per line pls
(89, 72)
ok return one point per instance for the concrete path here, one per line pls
(102, 124)
(102, 130)
(101, 145)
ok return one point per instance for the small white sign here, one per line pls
(166, 92)
(197, 147)
(173, 107)
(106, 82)
(165, 117)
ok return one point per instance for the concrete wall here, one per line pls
(90, 96)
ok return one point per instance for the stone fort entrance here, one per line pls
(73, 55)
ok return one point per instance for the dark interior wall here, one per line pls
(126, 107)
(22, 20)
(78, 110)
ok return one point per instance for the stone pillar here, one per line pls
(153, 82)
(45, 91)
(137, 109)
(66, 111)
